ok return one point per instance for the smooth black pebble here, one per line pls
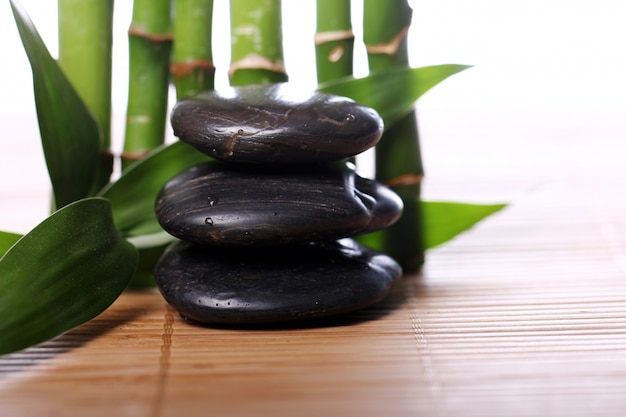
(245, 286)
(276, 123)
(220, 204)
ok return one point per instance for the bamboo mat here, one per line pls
(523, 315)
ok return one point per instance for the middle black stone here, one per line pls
(226, 205)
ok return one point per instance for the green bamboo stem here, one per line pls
(192, 63)
(334, 40)
(256, 42)
(150, 42)
(398, 157)
(85, 42)
(385, 27)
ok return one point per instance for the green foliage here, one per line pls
(7, 240)
(67, 127)
(133, 195)
(445, 220)
(64, 272)
(392, 92)
(442, 222)
(76, 263)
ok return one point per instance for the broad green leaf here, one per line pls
(70, 135)
(392, 93)
(134, 194)
(445, 220)
(7, 239)
(66, 271)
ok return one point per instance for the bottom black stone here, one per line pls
(266, 285)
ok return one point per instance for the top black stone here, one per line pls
(276, 123)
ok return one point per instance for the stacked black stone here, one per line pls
(265, 228)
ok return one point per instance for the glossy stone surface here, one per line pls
(237, 286)
(220, 204)
(275, 123)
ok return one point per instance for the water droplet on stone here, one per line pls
(350, 118)
(212, 201)
(208, 221)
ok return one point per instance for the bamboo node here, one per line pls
(139, 119)
(133, 156)
(391, 47)
(404, 180)
(256, 62)
(140, 32)
(185, 68)
(333, 36)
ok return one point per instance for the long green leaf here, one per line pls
(66, 271)
(445, 220)
(134, 194)
(392, 93)
(70, 135)
(442, 221)
(7, 239)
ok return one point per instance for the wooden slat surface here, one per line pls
(524, 315)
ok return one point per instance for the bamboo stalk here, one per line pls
(334, 40)
(192, 64)
(150, 41)
(256, 42)
(85, 42)
(385, 27)
(398, 158)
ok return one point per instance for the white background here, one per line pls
(543, 70)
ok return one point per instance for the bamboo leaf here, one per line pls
(392, 93)
(392, 90)
(70, 135)
(445, 220)
(134, 193)
(66, 271)
(442, 221)
(7, 239)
